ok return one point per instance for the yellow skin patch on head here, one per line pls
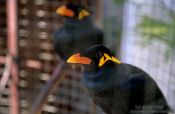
(106, 58)
(83, 14)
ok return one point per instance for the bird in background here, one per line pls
(116, 87)
(78, 31)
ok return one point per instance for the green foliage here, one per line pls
(119, 2)
(152, 29)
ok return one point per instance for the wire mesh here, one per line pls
(152, 56)
(4, 101)
(37, 21)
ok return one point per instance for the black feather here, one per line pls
(122, 88)
(76, 35)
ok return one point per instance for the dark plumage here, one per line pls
(78, 31)
(119, 88)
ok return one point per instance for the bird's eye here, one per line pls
(99, 54)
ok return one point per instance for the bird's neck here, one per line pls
(78, 23)
(98, 81)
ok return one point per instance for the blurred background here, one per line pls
(140, 32)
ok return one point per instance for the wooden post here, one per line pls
(12, 49)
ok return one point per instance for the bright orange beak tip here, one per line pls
(62, 10)
(76, 58)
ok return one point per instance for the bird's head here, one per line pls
(98, 63)
(97, 56)
(71, 10)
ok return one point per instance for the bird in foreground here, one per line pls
(78, 31)
(116, 87)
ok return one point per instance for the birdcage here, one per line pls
(36, 59)
(36, 23)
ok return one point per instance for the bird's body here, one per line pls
(76, 34)
(119, 88)
(125, 89)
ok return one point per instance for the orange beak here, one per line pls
(64, 11)
(76, 58)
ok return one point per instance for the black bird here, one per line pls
(118, 88)
(78, 31)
